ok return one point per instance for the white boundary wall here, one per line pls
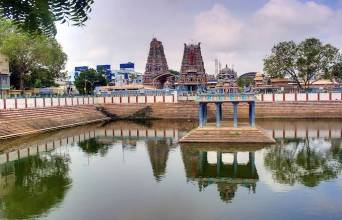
(299, 97)
(29, 103)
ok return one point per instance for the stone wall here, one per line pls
(17, 122)
(189, 110)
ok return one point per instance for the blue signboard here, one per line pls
(128, 65)
(81, 68)
(103, 67)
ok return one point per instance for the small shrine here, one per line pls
(227, 80)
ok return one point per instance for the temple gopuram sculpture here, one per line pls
(192, 74)
(157, 70)
(227, 80)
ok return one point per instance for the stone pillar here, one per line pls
(252, 114)
(205, 113)
(202, 161)
(235, 164)
(218, 163)
(235, 115)
(201, 115)
(218, 114)
(252, 162)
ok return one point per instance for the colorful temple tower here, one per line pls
(157, 71)
(192, 74)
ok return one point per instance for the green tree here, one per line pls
(30, 53)
(94, 147)
(174, 72)
(304, 63)
(336, 72)
(133, 77)
(298, 162)
(40, 183)
(87, 80)
(244, 82)
(40, 15)
(40, 78)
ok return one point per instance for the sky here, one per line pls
(240, 33)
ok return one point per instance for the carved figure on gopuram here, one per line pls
(227, 80)
(192, 74)
(157, 71)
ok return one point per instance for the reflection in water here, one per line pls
(129, 145)
(303, 161)
(94, 146)
(227, 175)
(33, 185)
(158, 150)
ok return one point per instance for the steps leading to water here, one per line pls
(27, 121)
(243, 135)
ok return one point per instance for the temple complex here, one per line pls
(227, 80)
(157, 71)
(192, 73)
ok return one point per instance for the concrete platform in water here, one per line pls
(222, 147)
(241, 135)
(216, 133)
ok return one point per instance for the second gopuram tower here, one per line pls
(192, 74)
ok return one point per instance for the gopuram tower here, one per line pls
(156, 71)
(192, 74)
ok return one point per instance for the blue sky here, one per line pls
(238, 32)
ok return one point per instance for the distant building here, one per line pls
(106, 90)
(106, 71)
(4, 76)
(325, 84)
(127, 66)
(80, 69)
(126, 75)
(263, 83)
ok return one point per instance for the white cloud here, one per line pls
(219, 25)
(246, 41)
(120, 30)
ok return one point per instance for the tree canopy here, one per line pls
(94, 147)
(87, 80)
(29, 54)
(298, 162)
(40, 15)
(244, 82)
(39, 184)
(305, 62)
